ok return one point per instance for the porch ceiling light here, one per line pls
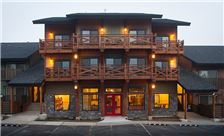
(50, 35)
(101, 30)
(125, 30)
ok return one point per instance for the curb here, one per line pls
(11, 125)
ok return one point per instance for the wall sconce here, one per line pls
(75, 56)
(172, 37)
(101, 30)
(50, 35)
(75, 87)
(153, 86)
(153, 56)
(125, 30)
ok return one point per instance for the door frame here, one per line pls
(113, 105)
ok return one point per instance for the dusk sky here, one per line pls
(206, 17)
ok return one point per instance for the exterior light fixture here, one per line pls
(125, 30)
(153, 86)
(76, 87)
(76, 56)
(50, 35)
(101, 30)
(153, 56)
(172, 37)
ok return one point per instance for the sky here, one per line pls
(206, 17)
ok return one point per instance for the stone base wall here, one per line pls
(52, 89)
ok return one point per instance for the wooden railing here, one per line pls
(106, 41)
(96, 72)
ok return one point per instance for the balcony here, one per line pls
(58, 74)
(119, 41)
(110, 72)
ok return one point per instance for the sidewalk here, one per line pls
(29, 117)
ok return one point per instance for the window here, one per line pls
(60, 38)
(89, 61)
(137, 61)
(137, 32)
(134, 36)
(62, 102)
(164, 40)
(205, 99)
(208, 73)
(161, 64)
(90, 99)
(62, 64)
(136, 98)
(113, 90)
(113, 61)
(161, 101)
(89, 36)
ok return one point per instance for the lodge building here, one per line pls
(112, 64)
(103, 64)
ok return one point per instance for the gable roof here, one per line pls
(193, 83)
(32, 76)
(205, 54)
(169, 22)
(18, 51)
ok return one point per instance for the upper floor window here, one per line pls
(164, 40)
(137, 32)
(162, 64)
(113, 61)
(208, 73)
(62, 64)
(89, 36)
(60, 38)
(137, 61)
(89, 61)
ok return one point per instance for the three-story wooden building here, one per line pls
(99, 64)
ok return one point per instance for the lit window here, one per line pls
(136, 101)
(62, 102)
(90, 99)
(161, 101)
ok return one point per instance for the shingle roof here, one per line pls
(205, 54)
(18, 51)
(169, 22)
(32, 76)
(193, 83)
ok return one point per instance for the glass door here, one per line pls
(113, 104)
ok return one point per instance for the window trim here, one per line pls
(159, 107)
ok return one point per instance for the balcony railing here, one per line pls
(110, 72)
(119, 41)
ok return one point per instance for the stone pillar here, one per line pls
(125, 99)
(102, 97)
(150, 99)
(77, 103)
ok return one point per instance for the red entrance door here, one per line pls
(113, 104)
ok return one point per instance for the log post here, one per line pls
(213, 105)
(102, 97)
(11, 100)
(185, 104)
(41, 99)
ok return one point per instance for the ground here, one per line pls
(113, 130)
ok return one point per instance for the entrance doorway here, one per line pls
(35, 95)
(113, 104)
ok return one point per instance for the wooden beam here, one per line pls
(11, 100)
(213, 105)
(185, 104)
(125, 99)
(41, 99)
